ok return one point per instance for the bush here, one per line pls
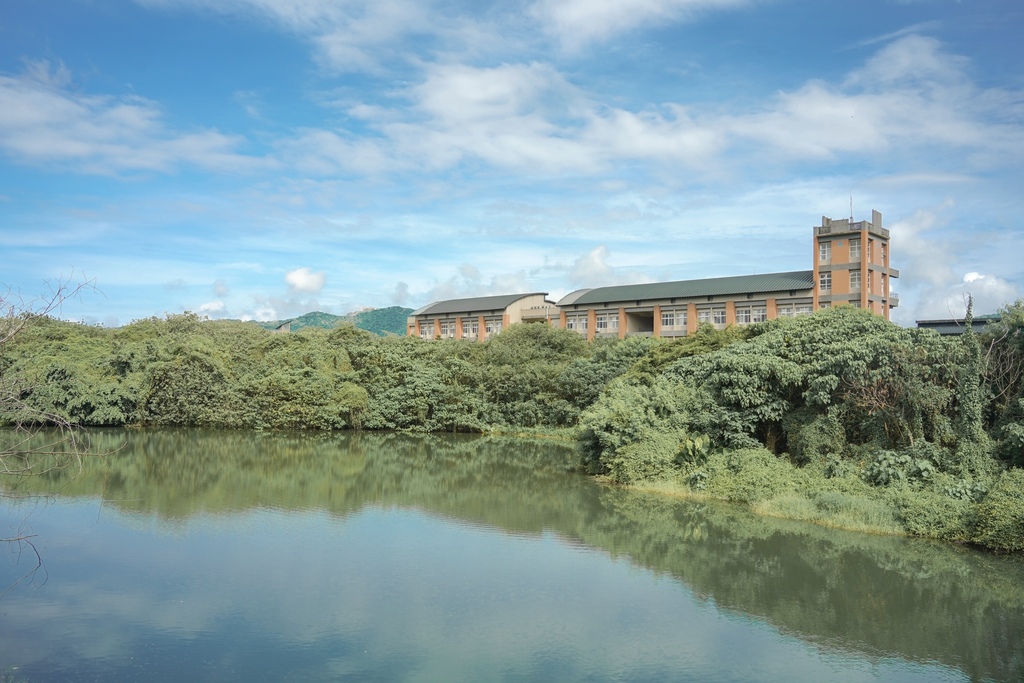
(811, 435)
(747, 475)
(652, 457)
(1000, 516)
(932, 514)
(887, 468)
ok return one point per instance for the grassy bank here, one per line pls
(987, 513)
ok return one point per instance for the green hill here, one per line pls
(380, 321)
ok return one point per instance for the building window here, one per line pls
(759, 314)
(784, 311)
(743, 316)
(825, 305)
(607, 322)
(704, 315)
(447, 329)
(825, 252)
(576, 322)
(470, 329)
(493, 327)
(882, 249)
(825, 282)
(803, 309)
(673, 320)
(855, 250)
(854, 280)
(871, 245)
(719, 316)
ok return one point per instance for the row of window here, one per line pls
(675, 319)
(825, 281)
(793, 310)
(751, 314)
(715, 316)
(470, 328)
(825, 251)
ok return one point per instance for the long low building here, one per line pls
(478, 317)
(850, 267)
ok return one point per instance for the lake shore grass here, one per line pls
(773, 487)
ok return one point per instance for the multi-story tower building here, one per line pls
(851, 265)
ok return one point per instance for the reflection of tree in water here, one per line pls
(915, 599)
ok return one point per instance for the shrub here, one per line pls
(747, 475)
(811, 435)
(1011, 448)
(652, 457)
(887, 468)
(1000, 516)
(933, 514)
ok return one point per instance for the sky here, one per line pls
(260, 159)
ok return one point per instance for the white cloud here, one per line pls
(349, 35)
(911, 104)
(989, 292)
(593, 270)
(212, 308)
(467, 282)
(44, 121)
(577, 22)
(909, 96)
(401, 294)
(305, 280)
(934, 265)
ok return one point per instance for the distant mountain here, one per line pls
(380, 321)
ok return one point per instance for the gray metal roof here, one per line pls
(952, 326)
(572, 296)
(716, 286)
(478, 304)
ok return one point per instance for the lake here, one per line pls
(238, 556)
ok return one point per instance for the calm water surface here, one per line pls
(267, 557)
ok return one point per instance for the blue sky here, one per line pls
(262, 158)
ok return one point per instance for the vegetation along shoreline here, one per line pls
(840, 418)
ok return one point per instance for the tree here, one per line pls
(34, 441)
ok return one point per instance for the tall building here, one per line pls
(850, 267)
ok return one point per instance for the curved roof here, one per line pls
(477, 304)
(683, 289)
(572, 297)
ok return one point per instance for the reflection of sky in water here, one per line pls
(384, 594)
